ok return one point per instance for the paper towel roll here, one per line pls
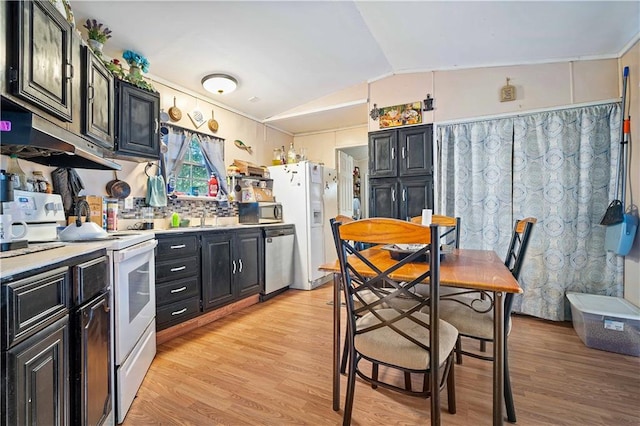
(426, 216)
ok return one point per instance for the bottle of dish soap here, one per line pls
(175, 220)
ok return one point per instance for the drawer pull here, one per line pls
(179, 268)
(181, 311)
(179, 246)
(178, 290)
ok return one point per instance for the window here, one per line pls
(193, 174)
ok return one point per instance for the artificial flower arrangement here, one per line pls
(136, 59)
(116, 68)
(95, 31)
(134, 77)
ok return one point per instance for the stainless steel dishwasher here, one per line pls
(278, 259)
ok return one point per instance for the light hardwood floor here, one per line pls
(270, 364)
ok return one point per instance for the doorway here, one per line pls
(347, 159)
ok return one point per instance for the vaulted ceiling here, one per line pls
(287, 53)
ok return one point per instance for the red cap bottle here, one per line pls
(213, 186)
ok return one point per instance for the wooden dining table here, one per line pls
(469, 269)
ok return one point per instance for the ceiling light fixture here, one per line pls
(219, 83)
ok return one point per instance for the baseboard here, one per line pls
(189, 325)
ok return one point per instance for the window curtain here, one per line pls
(557, 166)
(475, 181)
(564, 175)
(176, 150)
(213, 152)
(178, 142)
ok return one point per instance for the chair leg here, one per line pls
(407, 381)
(459, 351)
(451, 388)
(508, 395)
(351, 387)
(345, 356)
(374, 375)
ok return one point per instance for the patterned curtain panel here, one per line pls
(564, 175)
(475, 181)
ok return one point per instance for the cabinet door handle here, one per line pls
(179, 268)
(178, 290)
(91, 92)
(404, 195)
(234, 267)
(157, 126)
(179, 246)
(181, 311)
(240, 262)
(70, 75)
(393, 195)
(393, 153)
(404, 153)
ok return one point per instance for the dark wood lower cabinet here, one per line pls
(400, 198)
(231, 266)
(39, 371)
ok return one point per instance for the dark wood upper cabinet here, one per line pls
(40, 68)
(138, 120)
(401, 171)
(382, 154)
(415, 147)
(98, 99)
(401, 152)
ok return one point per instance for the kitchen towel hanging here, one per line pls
(68, 184)
(156, 188)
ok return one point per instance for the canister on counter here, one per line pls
(112, 215)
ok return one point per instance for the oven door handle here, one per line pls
(128, 253)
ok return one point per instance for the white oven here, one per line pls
(134, 302)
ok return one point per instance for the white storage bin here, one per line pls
(607, 323)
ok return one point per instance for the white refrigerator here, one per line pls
(300, 188)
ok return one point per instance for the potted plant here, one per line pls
(98, 35)
(137, 63)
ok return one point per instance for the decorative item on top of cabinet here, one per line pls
(137, 122)
(42, 76)
(98, 98)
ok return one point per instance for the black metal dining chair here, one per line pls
(379, 334)
(471, 311)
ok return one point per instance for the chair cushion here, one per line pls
(387, 346)
(466, 320)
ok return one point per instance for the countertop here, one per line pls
(18, 264)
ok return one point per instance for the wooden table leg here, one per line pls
(498, 356)
(336, 342)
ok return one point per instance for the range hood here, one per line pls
(36, 139)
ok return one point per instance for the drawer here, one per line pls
(173, 291)
(177, 312)
(172, 247)
(33, 303)
(169, 270)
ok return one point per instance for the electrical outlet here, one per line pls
(128, 203)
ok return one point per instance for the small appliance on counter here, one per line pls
(43, 213)
(259, 212)
(9, 239)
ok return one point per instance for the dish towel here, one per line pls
(156, 191)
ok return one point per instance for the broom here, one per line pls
(615, 211)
